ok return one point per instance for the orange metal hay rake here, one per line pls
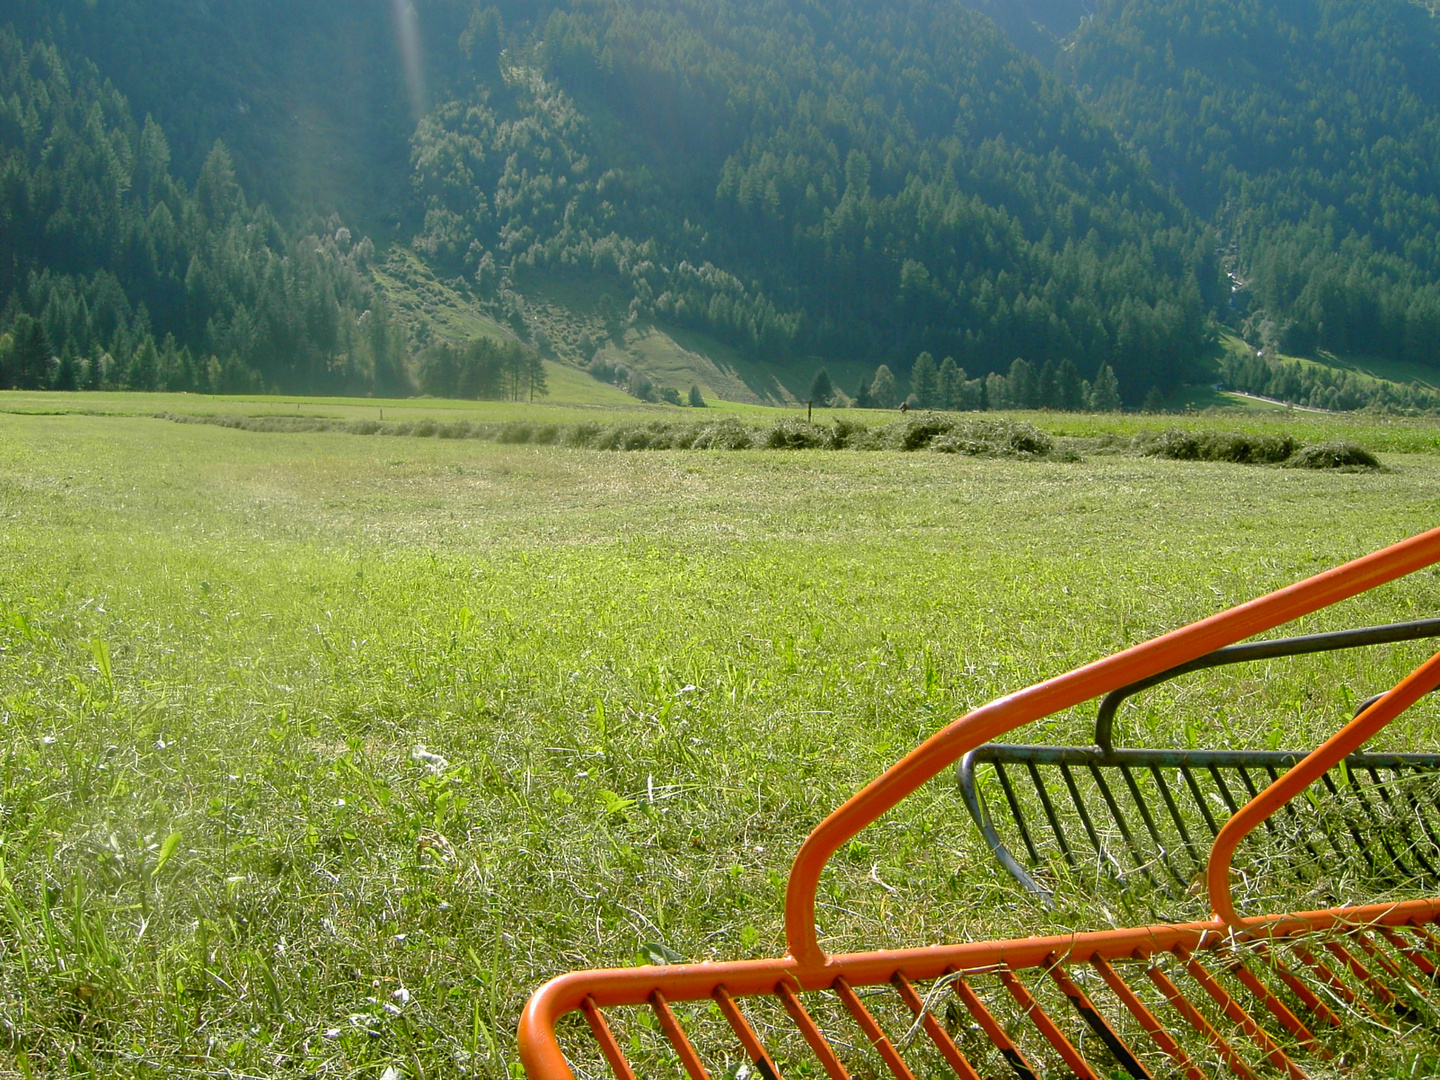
(1252, 995)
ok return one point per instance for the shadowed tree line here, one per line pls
(1321, 387)
(946, 386)
(482, 369)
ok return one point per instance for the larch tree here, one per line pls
(925, 381)
(883, 388)
(1105, 391)
(822, 390)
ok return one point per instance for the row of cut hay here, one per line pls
(1253, 449)
(975, 437)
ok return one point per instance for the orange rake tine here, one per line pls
(1410, 952)
(670, 1025)
(759, 1056)
(1041, 1019)
(1336, 984)
(878, 1039)
(1296, 986)
(808, 1028)
(1193, 1017)
(938, 1035)
(1098, 1024)
(1237, 1015)
(1430, 953)
(1390, 967)
(600, 1028)
(1388, 996)
(993, 1031)
(1426, 938)
(1413, 1002)
(1278, 1009)
(1147, 1019)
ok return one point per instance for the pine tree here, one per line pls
(862, 398)
(30, 355)
(822, 390)
(1072, 392)
(144, 367)
(1021, 384)
(1047, 387)
(535, 375)
(697, 400)
(883, 388)
(1105, 391)
(971, 396)
(67, 374)
(439, 373)
(216, 190)
(997, 391)
(389, 377)
(951, 384)
(925, 381)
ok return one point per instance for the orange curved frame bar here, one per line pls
(809, 968)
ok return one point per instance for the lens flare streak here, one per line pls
(407, 37)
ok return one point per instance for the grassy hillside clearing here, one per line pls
(428, 307)
(318, 753)
(575, 319)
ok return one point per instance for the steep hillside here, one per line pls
(796, 180)
(132, 278)
(312, 99)
(1308, 133)
(800, 179)
(734, 191)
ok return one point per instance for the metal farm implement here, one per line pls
(1295, 993)
(1146, 817)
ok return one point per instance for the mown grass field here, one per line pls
(319, 752)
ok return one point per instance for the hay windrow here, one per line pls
(935, 432)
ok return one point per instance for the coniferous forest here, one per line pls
(197, 196)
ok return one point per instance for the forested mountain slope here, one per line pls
(1308, 133)
(813, 179)
(795, 178)
(132, 278)
(310, 98)
(801, 181)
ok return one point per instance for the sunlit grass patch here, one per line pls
(318, 753)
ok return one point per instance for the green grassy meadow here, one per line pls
(319, 752)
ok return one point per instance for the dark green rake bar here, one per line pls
(1150, 815)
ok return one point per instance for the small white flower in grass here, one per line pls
(48, 740)
(402, 996)
(391, 1073)
(432, 762)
